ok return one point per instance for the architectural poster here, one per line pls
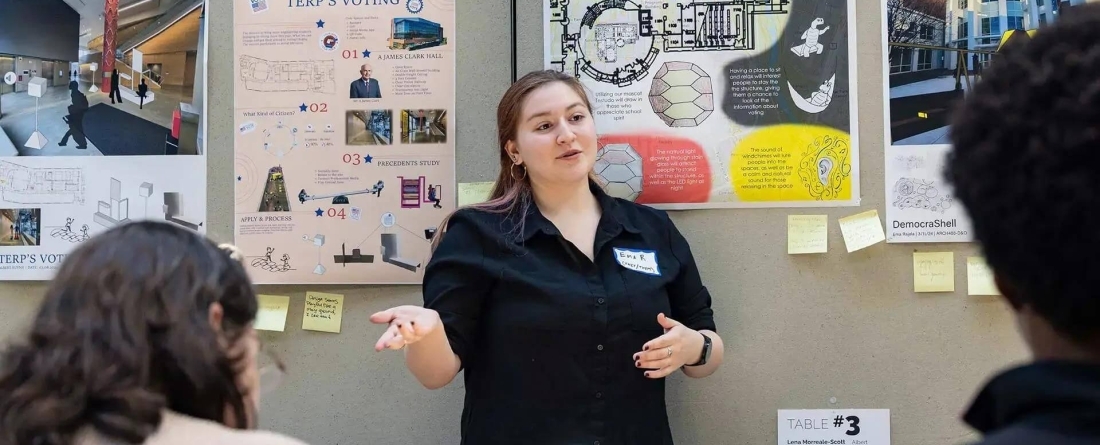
(344, 137)
(95, 131)
(924, 76)
(716, 104)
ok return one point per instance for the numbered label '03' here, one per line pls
(834, 427)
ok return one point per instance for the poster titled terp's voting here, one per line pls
(344, 144)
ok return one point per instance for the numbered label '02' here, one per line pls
(834, 427)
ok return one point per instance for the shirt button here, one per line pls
(599, 300)
(599, 347)
(599, 395)
(596, 443)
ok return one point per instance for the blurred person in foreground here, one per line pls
(1025, 166)
(144, 337)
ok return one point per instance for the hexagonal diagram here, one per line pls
(681, 94)
(619, 171)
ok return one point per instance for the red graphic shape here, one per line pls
(110, 28)
(176, 119)
(674, 168)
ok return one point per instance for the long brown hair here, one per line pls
(124, 334)
(511, 193)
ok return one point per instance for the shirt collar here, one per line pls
(612, 222)
(1051, 389)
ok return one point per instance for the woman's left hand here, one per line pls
(663, 355)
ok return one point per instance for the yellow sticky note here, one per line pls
(933, 271)
(861, 230)
(807, 234)
(323, 312)
(473, 192)
(272, 313)
(979, 277)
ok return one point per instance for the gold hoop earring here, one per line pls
(512, 172)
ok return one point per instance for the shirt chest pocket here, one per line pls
(645, 274)
(537, 300)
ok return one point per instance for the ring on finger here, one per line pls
(669, 351)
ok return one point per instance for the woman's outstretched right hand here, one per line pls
(407, 325)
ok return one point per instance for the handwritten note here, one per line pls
(979, 277)
(272, 313)
(323, 312)
(807, 234)
(473, 192)
(861, 230)
(933, 271)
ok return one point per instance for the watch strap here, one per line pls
(705, 353)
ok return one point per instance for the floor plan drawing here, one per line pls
(315, 76)
(46, 185)
(618, 41)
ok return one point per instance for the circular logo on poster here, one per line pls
(9, 78)
(330, 41)
(415, 6)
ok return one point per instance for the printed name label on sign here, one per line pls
(643, 261)
(834, 427)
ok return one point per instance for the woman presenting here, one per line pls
(565, 307)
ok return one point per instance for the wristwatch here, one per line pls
(705, 354)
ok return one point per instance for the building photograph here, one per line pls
(101, 77)
(413, 33)
(423, 126)
(917, 56)
(369, 127)
(1044, 12)
(937, 50)
(275, 196)
(20, 227)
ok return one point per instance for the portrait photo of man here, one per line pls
(365, 87)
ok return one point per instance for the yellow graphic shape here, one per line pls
(792, 162)
(1008, 35)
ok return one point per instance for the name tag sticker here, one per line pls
(643, 261)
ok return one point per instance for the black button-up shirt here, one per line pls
(547, 337)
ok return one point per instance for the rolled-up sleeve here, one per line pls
(456, 282)
(689, 298)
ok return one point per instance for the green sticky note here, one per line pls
(473, 192)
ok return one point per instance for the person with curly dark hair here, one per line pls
(144, 337)
(1026, 146)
